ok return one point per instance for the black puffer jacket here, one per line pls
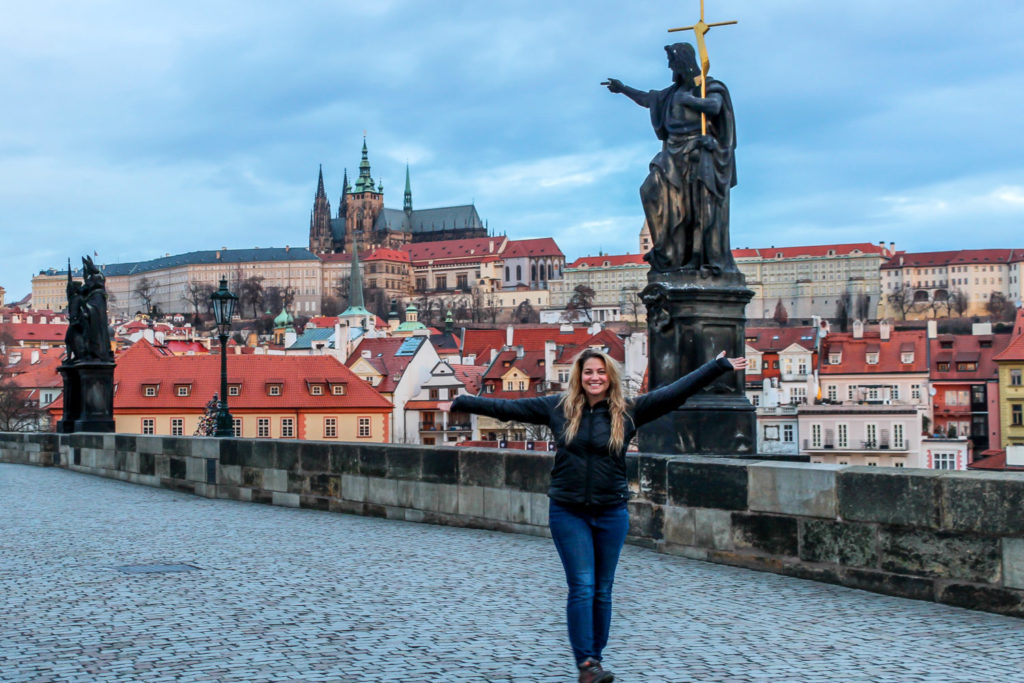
(585, 471)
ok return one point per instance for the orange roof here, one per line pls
(143, 365)
(607, 339)
(445, 250)
(41, 332)
(890, 353)
(379, 254)
(531, 364)
(949, 258)
(993, 460)
(469, 375)
(775, 339)
(542, 246)
(42, 373)
(531, 338)
(813, 251)
(608, 261)
(380, 353)
(966, 347)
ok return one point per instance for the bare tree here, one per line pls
(476, 305)
(197, 294)
(377, 302)
(492, 307)
(250, 293)
(581, 302)
(144, 290)
(958, 302)
(1000, 307)
(631, 304)
(781, 316)
(863, 306)
(277, 299)
(18, 412)
(525, 313)
(902, 300)
(843, 312)
(330, 305)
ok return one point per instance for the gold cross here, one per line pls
(699, 29)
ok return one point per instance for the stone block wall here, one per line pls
(951, 537)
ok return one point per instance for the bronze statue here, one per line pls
(686, 194)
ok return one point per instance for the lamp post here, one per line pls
(223, 310)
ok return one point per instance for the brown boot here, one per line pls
(591, 672)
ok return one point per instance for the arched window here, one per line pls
(533, 273)
(508, 274)
(550, 271)
(519, 273)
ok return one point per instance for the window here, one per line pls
(150, 390)
(364, 427)
(870, 436)
(274, 390)
(177, 426)
(897, 464)
(236, 427)
(834, 358)
(234, 390)
(872, 463)
(771, 432)
(148, 425)
(462, 281)
(915, 392)
(330, 427)
(944, 461)
(1015, 375)
(263, 428)
(316, 390)
(287, 427)
(522, 386)
(872, 358)
(1016, 414)
(894, 392)
(441, 282)
(519, 273)
(943, 367)
(421, 284)
(872, 393)
(755, 400)
(970, 366)
(816, 436)
(898, 436)
(338, 389)
(842, 436)
(907, 357)
(433, 394)
(787, 433)
(563, 376)
(849, 392)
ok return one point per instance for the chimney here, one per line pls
(884, 330)
(858, 329)
(366, 353)
(550, 350)
(892, 247)
(35, 356)
(494, 354)
(933, 329)
(509, 335)
(981, 328)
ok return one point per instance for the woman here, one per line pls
(593, 423)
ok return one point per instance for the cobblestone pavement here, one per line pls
(296, 595)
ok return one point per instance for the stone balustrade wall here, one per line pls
(951, 537)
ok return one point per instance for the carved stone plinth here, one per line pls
(88, 398)
(690, 320)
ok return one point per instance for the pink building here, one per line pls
(854, 434)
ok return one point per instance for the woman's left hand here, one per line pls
(737, 363)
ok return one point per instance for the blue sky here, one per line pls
(136, 129)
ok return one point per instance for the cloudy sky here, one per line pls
(136, 129)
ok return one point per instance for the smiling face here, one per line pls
(594, 378)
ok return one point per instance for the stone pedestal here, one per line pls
(690, 320)
(88, 397)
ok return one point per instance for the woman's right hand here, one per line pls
(444, 406)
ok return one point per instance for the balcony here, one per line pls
(435, 427)
(794, 376)
(882, 445)
(777, 410)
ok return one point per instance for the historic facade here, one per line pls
(361, 214)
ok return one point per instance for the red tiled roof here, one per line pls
(469, 375)
(542, 246)
(967, 348)
(480, 342)
(609, 261)
(43, 373)
(37, 332)
(949, 258)
(446, 250)
(854, 353)
(607, 339)
(381, 355)
(812, 251)
(178, 346)
(995, 460)
(142, 364)
(775, 339)
(531, 364)
(1015, 349)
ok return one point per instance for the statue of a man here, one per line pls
(93, 311)
(686, 194)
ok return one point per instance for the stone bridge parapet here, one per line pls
(950, 537)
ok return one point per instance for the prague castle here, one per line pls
(361, 214)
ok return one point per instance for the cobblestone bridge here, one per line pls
(280, 594)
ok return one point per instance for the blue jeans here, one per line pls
(589, 542)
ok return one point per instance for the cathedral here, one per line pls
(361, 215)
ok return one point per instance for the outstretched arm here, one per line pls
(531, 410)
(641, 97)
(654, 404)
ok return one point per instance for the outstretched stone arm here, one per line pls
(641, 97)
(710, 105)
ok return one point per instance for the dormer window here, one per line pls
(316, 390)
(149, 390)
(274, 390)
(182, 390)
(943, 367)
(835, 357)
(234, 389)
(907, 357)
(872, 358)
(338, 389)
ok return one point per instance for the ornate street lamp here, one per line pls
(223, 310)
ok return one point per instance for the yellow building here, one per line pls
(1011, 386)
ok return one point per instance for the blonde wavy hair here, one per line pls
(575, 398)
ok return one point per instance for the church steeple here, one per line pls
(364, 183)
(408, 192)
(356, 310)
(345, 189)
(320, 240)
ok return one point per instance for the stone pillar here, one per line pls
(88, 397)
(71, 398)
(690, 319)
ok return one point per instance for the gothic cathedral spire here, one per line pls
(408, 192)
(320, 240)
